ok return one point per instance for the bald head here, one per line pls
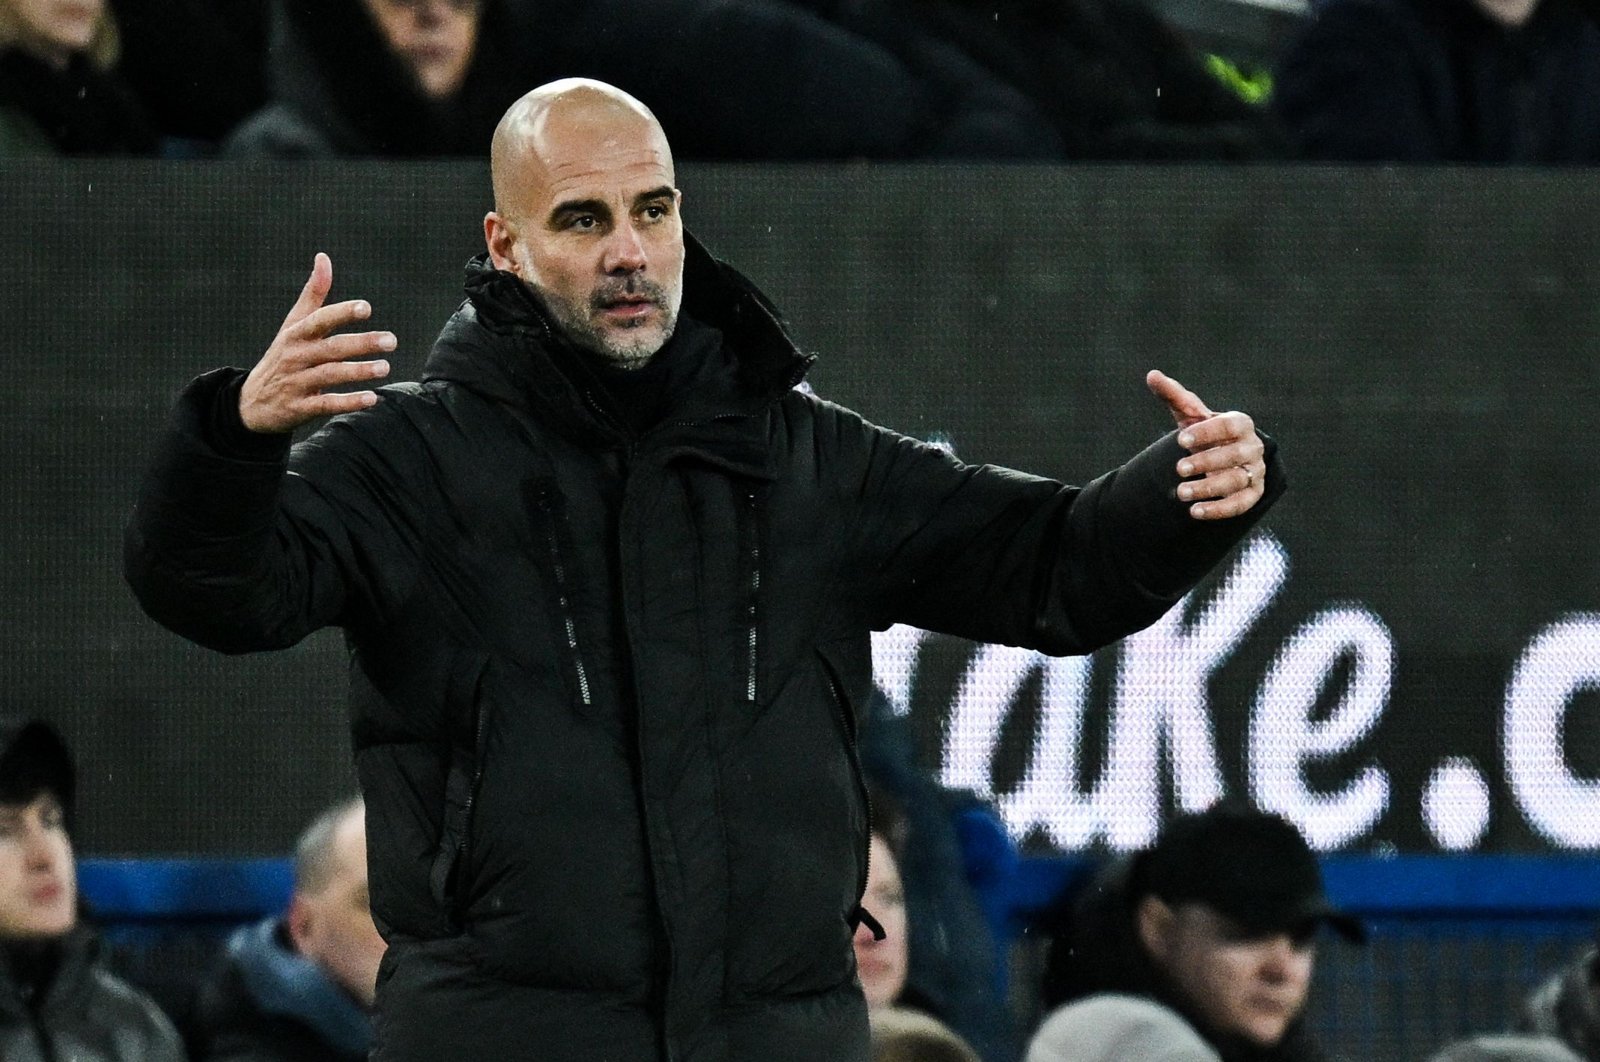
(586, 214)
(550, 128)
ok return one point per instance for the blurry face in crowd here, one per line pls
(333, 926)
(882, 963)
(587, 215)
(38, 880)
(436, 38)
(1512, 13)
(56, 29)
(1239, 984)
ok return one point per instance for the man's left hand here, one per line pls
(1225, 471)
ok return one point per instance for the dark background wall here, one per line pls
(1423, 343)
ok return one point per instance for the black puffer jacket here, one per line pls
(606, 688)
(80, 1011)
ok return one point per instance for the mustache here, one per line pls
(627, 287)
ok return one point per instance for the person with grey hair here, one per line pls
(608, 579)
(300, 987)
(1567, 1006)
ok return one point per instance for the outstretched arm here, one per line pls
(225, 548)
(995, 555)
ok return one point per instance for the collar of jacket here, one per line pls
(285, 984)
(76, 954)
(498, 344)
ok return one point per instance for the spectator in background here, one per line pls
(300, 988)
(882, 958)
(1567, 1007)
(1198, 949)
(900, 1035)
(737, 79)
(1507, 1049)
(404, 78)
(1465, 81)
(197, 66)
(58, 92)
(1113, 79)
(58, 1002)
(947, 958)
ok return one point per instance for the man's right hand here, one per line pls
(290, 384)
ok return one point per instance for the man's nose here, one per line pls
(625, 251)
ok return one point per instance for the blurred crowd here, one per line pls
(1469, 81)
(1200, 948)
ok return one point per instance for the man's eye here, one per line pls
(584, 222)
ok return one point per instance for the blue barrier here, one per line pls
(1011, 891)
(184, 890)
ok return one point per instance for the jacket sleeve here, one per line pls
(999, 556)
(226, 545)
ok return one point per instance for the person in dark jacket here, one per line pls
(608, 579)
(737, 80)
(300, 988)
(1113, 79)
(1463, 81)
(59, 91)
(58, 1000)
(1198, 949)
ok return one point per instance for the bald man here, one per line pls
(608, 578)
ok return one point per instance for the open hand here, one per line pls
(1225, 471)
(290, 384)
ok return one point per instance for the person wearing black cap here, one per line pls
(57, 1000)
(1197, 949)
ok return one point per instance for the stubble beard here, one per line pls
(627, 344)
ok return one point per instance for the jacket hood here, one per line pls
(501, 341)
(286, 984)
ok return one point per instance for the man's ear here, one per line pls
(1155, 922)
(501, 237)
(300, 921)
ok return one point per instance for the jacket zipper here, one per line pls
(751, 613)
(563, 598)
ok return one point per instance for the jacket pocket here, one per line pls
(846, 715)
(468, 712)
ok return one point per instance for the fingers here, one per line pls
(310, 357)
(342, 347)
(1184, 404)
(316, 290)
(326, 319)
(1225, 471)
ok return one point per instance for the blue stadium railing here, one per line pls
(1456, 941)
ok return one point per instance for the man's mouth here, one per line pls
(628, 307)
